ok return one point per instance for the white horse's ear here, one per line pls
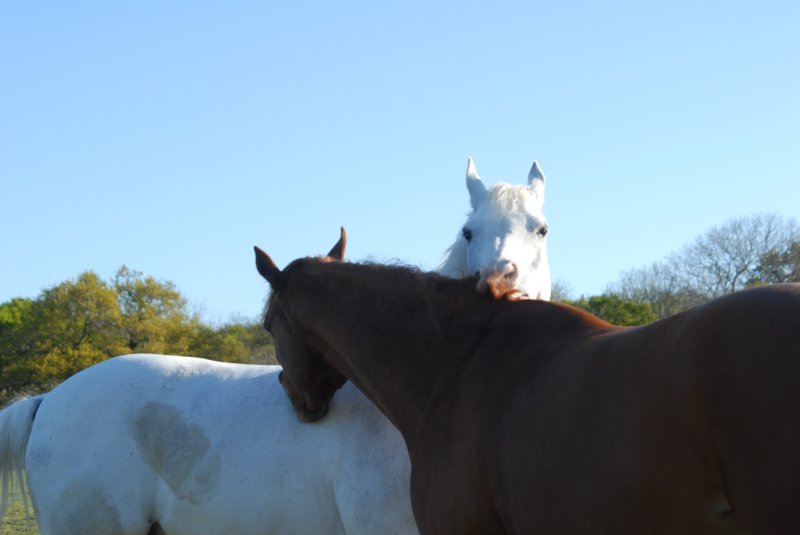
(535, 174)
(477, 191)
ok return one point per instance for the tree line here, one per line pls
(83, 321)
(742, 252)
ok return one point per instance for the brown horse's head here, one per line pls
(309, 381)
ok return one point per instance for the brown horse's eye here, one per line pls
(467, 234)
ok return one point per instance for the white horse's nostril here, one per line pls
(501, 279)
(510, 272)
(507, 270)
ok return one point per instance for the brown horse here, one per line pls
(535, 417)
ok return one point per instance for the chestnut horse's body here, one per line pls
(534, 417)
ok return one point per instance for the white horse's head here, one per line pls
(504, 238)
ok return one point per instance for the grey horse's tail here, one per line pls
(16, 422)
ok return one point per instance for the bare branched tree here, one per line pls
(561, 291)
(662, 285)
(725, 259)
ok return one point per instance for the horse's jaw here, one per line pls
(311, 417)
(300, 408)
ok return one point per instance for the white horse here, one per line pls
(153, 444)
(504, 236)
(178, 445)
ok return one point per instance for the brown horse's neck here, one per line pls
(398, 334)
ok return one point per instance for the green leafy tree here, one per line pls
(616, 310)
(14, 322)
(245, 343)
(79, 314)
(85, 320)
(68, 327)
(154, 314)
(781, 264)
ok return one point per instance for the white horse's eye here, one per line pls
(467, 234)
(543, 231)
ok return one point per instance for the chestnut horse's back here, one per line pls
(746, 352)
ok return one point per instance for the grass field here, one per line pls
(14, 522)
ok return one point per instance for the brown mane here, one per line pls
(394, 282)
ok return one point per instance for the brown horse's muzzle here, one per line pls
(501, 286)
(301, 409)
(310, 417)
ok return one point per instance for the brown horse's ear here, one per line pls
(267, 268)
(337, 253)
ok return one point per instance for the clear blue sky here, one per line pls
(173, 136)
